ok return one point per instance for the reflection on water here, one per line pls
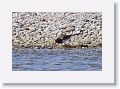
(57, 60)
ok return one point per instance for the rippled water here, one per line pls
(57, 60)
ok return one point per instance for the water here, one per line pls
(57, 60)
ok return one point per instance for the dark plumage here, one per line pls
(59, 40)
(65, 37)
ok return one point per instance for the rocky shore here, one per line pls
(41, 29)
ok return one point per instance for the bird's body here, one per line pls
(62, 38)
(59, 40)
(65, 37)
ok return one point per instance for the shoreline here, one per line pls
(35, 48)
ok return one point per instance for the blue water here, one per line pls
(57, 60)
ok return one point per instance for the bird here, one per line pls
(64, 37)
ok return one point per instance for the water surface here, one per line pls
(57, 60)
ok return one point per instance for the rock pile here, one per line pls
(40, 29)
